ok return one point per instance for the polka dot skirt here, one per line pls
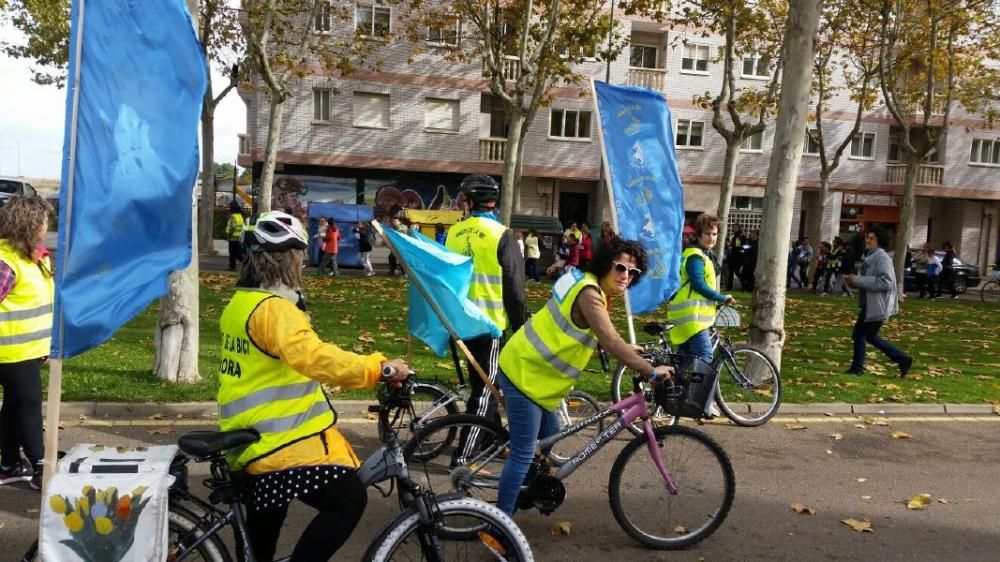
(275, 490)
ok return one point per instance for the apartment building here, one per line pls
(406, 135)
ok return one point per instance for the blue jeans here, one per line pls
(528, 423)
(867, 332)
(699, 345)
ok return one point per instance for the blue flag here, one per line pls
(446, 277)
(125, 204)
(645, 185)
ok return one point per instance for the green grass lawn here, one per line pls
(955, 345)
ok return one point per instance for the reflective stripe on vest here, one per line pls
(262, 392)
(26, 312)
(547, 355)
(688, 311)
(479, 238)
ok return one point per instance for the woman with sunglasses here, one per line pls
(542, 361)
(692, 308)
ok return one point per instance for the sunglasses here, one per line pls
(622, 268)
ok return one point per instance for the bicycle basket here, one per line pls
(690, 389)
(727, 317)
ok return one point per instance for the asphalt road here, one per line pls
(776, 467)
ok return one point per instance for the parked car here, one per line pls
(966, 275)
(14, 186)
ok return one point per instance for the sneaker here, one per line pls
(954, 297)
(36, 481)
(904, 366)
(19, 472)
(713, 411)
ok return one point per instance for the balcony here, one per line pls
(492, 149)
(244, 145)
(652, 78)
(510, 66)
(927, 174)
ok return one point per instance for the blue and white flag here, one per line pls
(446, 277)
(125, 203)
(645, 184)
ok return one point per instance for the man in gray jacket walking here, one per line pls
(876, 282)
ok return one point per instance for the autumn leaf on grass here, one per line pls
(366, 337)
(890, 386)
(799, 507)
(794, 426)
(859, 526)
(919, 501)
(900, 435)
(443, 365)
(561, 528)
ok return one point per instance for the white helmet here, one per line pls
(276, 231)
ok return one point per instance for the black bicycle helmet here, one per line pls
(480, 189)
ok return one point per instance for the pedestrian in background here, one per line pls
(734, 256)
(331, 246)
(531, 255)
(365, 248)
(234, 229)
(948, 270)
(397, 225)
(414, 228)
(804, 259)
(822, 263)
(607, 233)
(876, 283)
(26, 289)
(586, 246)
(749, 269)
(932, 278)
(792, 265)
(440, 234)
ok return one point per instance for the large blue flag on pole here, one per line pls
(444, 277)
(130, 159)
(646, 193)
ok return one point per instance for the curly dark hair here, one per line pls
(611, 249)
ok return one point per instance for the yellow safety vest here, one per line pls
(262, 392)
(688, 311)
(547, 355)
(479, 238)
(234, 227)
(26, 312)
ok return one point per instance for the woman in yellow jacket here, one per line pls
(273, 364)
(25, 330)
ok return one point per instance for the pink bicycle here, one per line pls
(670, 486)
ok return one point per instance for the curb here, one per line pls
(359, 408)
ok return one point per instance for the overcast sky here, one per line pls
(32, 120)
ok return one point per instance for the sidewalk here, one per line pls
(352, 409)
(220, 261)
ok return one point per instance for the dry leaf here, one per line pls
(866, 497)
(371, 415)
(799, 507)
(880, 421)
(862, 479)
(161, 431)
(794, 426)
(828, 414)
(996, 410)
(836, 436)
(829, 452)
(561, 528)
(859, 526)
(61, 425)
(920, 501)
(680, 529)
(859, 425)
(942, 500)
(900, 435)
(156, 416)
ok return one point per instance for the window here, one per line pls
(756, 67)
(445, 34)
(323, 20)
(371, 110)
(695, 58)
(372, 19)
(690, 133)
(863, 146)
(440, 114)
(321, 105)
(895, 148)
(569, 124)
(753, 143)
(985, 151)
(642, 56)
(811, 146)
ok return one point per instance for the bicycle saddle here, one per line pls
(654, 328)
(202, 445)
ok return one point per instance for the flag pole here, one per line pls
(54, 395)
(442, 317)
(611, 197)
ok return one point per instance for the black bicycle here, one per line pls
(447, 527)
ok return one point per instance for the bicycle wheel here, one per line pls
(748, 389)
(991, 292)
(464, 529)
(577, 407)
(653, 516)
(427, 402)
(621, 388)
(443, 464)
(183, 530)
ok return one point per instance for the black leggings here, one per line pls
(340, 503)
(21, 413)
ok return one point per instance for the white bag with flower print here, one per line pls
(91, 515)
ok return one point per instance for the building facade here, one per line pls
(405, 136)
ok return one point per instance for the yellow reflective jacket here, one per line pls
(26, 312)
(688, 310)
(479, 238)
